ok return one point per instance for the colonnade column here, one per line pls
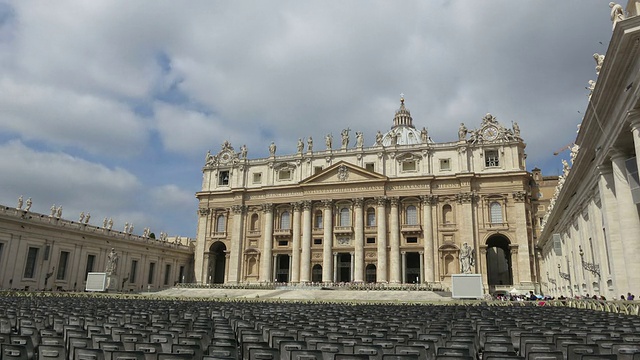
(421, 278)
(634, 119)
(521, 258)
(335, 267)
(403, 265)
(327, 241)
(200, 259)
(358, 263)
(628, 219)
(606, 188)
(305, 253)
(237, 236)
(394, 239)
(381, 212)
(295, 247)
(351, 267)
(427, 224)
(265, 258)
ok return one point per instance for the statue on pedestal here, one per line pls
(29, 203)
(329, 141)
(300, 146)
(110, 224)
(617, 13)
(81, 218)
(86, 219)
(53, 210)
(59, 212)
(310, 144)
(243, 151)
(112, 262)
(379, 138)
(424, 135)
(104, 223)
(20, 200)
(345, 138)
(516, 130)
(599, 61)
(272, 149)
(462, 132)
(467, 260)
(359, 139)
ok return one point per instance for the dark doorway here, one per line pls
(316, 273)
(282, 268)
(217, 263)
(412, 268)
(344, 267)
(499, 270)
(370, 273)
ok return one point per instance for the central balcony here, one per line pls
(339, 230)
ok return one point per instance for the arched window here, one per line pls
(371, 217)
(254, 222)
(495, 210)
(317, 220)
(285, 220)
(345, 217)
(447, 214)
(221, 222)
(412, 215)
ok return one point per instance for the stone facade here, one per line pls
(40, 251)
(589, 241)
(398, 211)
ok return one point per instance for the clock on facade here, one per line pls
(490, 133)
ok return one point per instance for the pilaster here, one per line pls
(427, 223)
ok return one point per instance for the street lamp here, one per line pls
(591, 267)
(567, 277)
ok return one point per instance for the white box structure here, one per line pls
(96, 281)
(466, 286)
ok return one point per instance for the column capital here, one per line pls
(633, 116)
(616, 153)
(358, 202)
(429, 199)
(326, 203)
(519, 196)
(394, 201)
(204, 212)
(605, 168)
(238, 209)
(268, 207)
(296, 205)
(307, 204)
(381, 200)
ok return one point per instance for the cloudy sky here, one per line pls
(110, 106)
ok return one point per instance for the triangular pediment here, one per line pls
(343, 172)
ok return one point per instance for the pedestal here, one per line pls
(112, 282)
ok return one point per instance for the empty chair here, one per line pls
(420, 351)
(537, 347)
(499, 355)
(330, 347)
(96, 339)
(576, 351)
(454, 357)
(174, 357)
(304, 354)
(258, 353)
(13, 352)
(25, 341)
(499, 346)
(52, 340)
(625, 350)
(602, 357)
(52, 352)
(165, 340)
(373, 351)
(351, 357)
(222, 351)
(77, 343)
(247, 346)
(400, 357)
(130, 340)
(88, 354)
(546, 355)
(150, 350)
(194, 350)
(127, 355)
(287, 346)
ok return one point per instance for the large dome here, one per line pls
(403, 132)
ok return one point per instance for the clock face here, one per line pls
(490, 133)
(225, 157)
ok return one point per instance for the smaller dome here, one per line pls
(403, 132)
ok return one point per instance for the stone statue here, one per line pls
(599, 61)
(131, 228)
(345, 137)
(359, 139)
(329, 141)
(29, 203)
(86, 218)
(516, 130)
(20, 200)
(272, 149)
(462, 132)
(53, 210)
(104, 223)
(81, 218)
(310, 144)
(59, 212)
(424, 135)
(112, 262)
(592, 85)
(209, 159)
(574, 152)
(110, 224)
(617, 13)
(126, 227)
(243, 151)
(379, 138)
(565, 168)
(467, 260)
(394, 138)
(300, 146)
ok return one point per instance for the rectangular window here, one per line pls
(181, 274)
(167, 274)
(412, 240)
(152, 269)
(257, 178)
(283, 243)
(409, 166)
(91, 259)
(370, 167)
(371, 240)
(445, 164)
(62, 265)
(491, 158)
(284, 174)
(223, 177)
(134, 270)
(317, 241)
(317, 169)
(30, 265)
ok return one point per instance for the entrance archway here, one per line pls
(217, 263)
(412, 268)
(499, 270)
(344, 267)
(316, 273)
(282, 268)
(370, 273)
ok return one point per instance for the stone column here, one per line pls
(237, 237)
(394, 239)
(267, 244)
(606, 188)
(522, 239)
(351, 268)
(357, 266)
(335, 267)
(634, 118)
(421, 267)
(628, 220)
(403, 265)
(515, 264)
(427, 225)
(295, 247)
(381, 221)
(305, 255)
(274, 266)
(327, 241)
(199, 261)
